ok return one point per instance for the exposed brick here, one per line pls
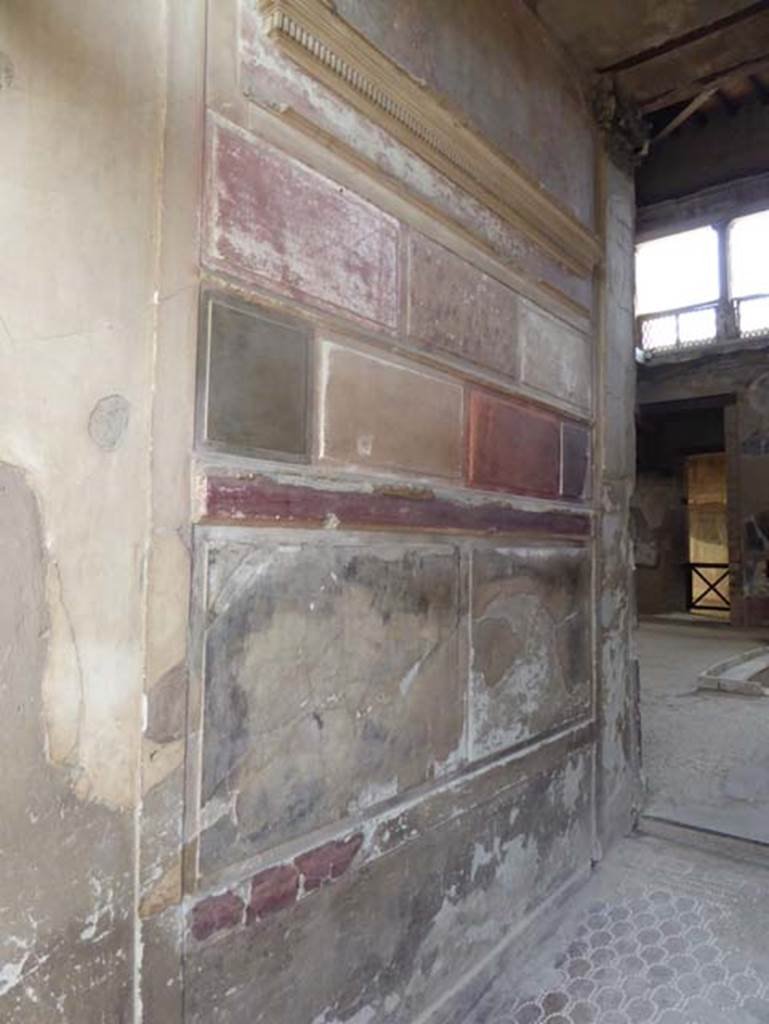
(382, 413)
(272, 890)
(575, 460)
(513, 446)
(328, 862)
(555, 358)
(274, 221)
(458, 309)
(215, 913)
(259, 499)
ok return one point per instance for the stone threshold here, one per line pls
(708, 840)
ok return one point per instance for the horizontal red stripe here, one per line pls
(258, 499)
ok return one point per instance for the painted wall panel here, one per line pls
(334, 679)
(274, 221)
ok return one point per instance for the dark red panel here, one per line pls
(513, 446)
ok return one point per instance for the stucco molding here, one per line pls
(311, 34)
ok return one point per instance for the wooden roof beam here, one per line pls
(683, 115)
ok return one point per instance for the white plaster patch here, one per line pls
(365, 445)
(364, 1016)
(11, 974)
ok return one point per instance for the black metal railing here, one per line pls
(708, 585)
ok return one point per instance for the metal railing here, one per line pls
(708, 323)
(708, 585)
(751, 315)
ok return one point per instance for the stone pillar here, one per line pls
(617, 667)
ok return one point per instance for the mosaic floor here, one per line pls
(663, 934)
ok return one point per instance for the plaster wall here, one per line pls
(321, 698)
(364, 695)
(81, 105)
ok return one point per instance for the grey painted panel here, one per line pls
(531, 640)
(253, 380)
(335, 678)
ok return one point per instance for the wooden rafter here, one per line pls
(683, 115)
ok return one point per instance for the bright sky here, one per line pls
(682, 270)
(749, 242)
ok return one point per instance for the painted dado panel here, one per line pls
(275, 222)
(253, 380)
(513, 446)
(335, 673)
(530, 643)
(455, 308)
(386, 414)
(257, 390)
(555, 358)
(433, 888)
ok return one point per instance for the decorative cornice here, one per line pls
(327, 47)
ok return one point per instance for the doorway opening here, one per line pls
(703, 669)
(705, 482)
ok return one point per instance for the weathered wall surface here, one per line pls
(618, 796)
(394, 703)
(529, 103)
(739, 376)
(81, 98)
(306, 514)
(659, 542)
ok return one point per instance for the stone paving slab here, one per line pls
(705, 753)
(662, 934)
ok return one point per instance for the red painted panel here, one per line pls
(274, 221)
(272, 890)
(329, 862)
(513, 446)
(258, 499)
(215, 913)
